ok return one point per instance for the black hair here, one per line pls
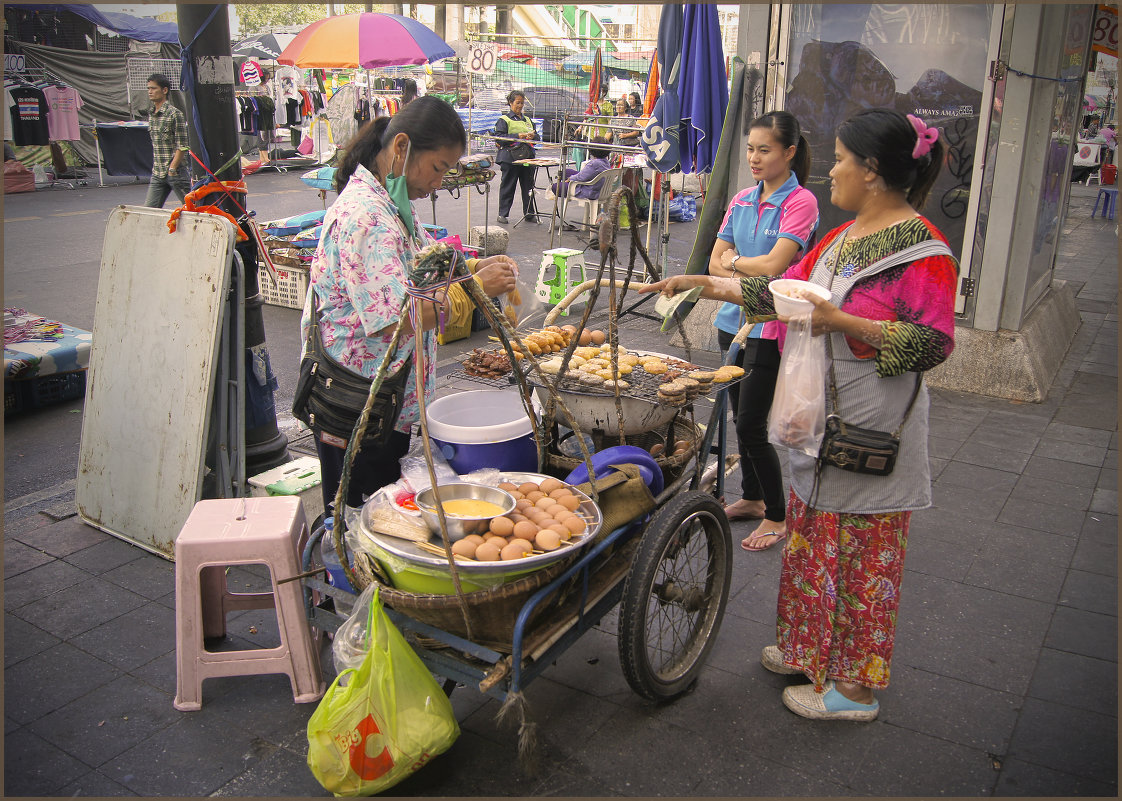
(785, 127)
(514, 95)
(883, 140)
(600, 152)
(638, 97)
(408, 91)
(160, 80)
(429, 122)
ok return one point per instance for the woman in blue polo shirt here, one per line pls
(766, 228)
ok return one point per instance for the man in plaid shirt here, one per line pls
(168, 127)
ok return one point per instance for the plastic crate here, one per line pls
(291, 288)
(32, 393)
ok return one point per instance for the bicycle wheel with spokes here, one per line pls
(674, 596)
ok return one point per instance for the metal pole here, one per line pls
(213, 98)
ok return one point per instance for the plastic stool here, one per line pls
(1109, 197)
(561, 270)
(239, 531)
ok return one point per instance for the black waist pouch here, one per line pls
(330, 398)
(859, 450)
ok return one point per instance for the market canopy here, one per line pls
(140, 28)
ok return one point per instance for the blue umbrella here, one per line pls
(660, 135)
(704, 88)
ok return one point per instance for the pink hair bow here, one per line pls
(925, 137)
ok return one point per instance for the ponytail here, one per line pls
(927, 171)
(800, 164)
(362, 149)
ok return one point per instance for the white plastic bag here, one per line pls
(352, 640)
(798, 410)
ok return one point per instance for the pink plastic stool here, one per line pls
(238, 531)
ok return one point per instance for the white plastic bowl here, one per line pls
(788, 306)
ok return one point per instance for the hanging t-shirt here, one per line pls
(251, 73)
(29, 116)
(63, 103)
(285, 82)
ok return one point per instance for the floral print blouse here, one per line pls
(358, 274)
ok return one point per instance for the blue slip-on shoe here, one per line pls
(829, 705)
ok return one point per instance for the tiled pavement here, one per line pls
(1004, 681)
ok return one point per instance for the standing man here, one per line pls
(168, 127)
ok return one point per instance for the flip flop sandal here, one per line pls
(734, 516)
(780, 536)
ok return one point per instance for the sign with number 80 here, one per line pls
(481, 59)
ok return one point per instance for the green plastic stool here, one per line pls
(561, 270)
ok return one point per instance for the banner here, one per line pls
(1104, 35)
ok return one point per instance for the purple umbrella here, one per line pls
(367, 40)
(703, 89)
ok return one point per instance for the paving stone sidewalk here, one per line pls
(1004, 680)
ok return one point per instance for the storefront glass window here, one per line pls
(927, 60)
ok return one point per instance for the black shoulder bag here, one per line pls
(330, 398)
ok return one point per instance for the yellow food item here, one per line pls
(470, 507)
(655, 368)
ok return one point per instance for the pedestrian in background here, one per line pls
(766, 228)
(168, 128)
(635, 104)
(514, 133)
(890, 317)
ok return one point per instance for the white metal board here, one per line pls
(160, 300)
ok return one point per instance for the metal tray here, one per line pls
(408, 551)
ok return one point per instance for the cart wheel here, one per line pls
(674, 596)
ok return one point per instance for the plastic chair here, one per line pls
(612, 180)
(238, 531)
(1109, 196)
(561, 270)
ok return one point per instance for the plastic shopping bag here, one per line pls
(798, 410)
(381, 722)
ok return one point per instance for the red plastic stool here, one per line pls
(1108, 197)
(239, 531)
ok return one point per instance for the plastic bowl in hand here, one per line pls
(786, 293)
(459, 526)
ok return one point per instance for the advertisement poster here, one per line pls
(926, 60)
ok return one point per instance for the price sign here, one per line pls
(481, 59)
(14, 63)
(1104, 38)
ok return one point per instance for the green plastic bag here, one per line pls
(386, 722)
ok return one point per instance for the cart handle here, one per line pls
(585, 287)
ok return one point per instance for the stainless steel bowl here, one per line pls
(460, 527)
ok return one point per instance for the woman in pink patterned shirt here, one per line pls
(370, 237)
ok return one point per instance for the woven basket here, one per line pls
(492, 612)
(672, 466)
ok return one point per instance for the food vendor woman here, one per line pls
(370, 237)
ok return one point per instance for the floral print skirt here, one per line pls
(839, 592)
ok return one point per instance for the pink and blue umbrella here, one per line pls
(367, 41)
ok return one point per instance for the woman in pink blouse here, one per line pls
(370, 238)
